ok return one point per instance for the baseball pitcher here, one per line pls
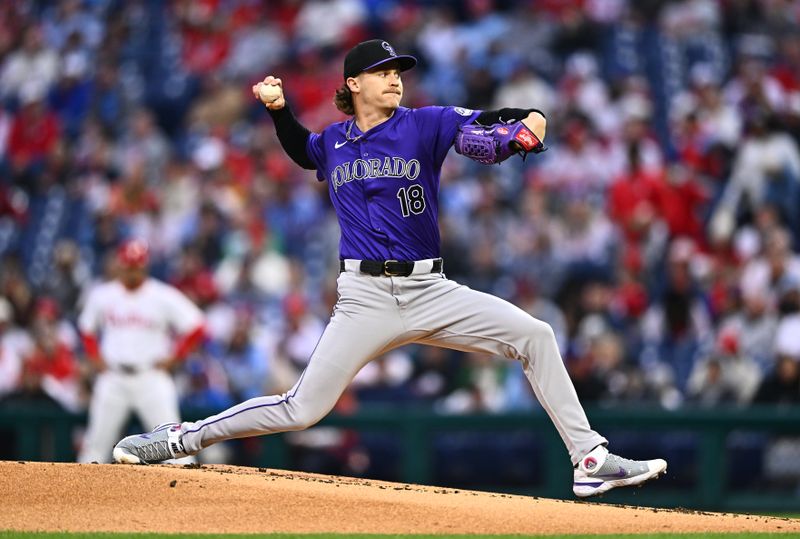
(382, 167)
(127, 326)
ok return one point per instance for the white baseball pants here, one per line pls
(376, 314)
(151, 394)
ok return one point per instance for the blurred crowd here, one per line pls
(659, 235)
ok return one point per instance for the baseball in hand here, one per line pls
(269, 92)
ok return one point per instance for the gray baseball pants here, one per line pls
(372, 316)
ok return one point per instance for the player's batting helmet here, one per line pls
(134, 253)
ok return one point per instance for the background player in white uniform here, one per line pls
(128, 327)
(382, 167)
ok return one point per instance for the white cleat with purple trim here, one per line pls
(162, 443)
(600, 471)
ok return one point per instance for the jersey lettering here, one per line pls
(399, 165)
(130, 320)
(363, 169)
(360, 170)
(374, 168)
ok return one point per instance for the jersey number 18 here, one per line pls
(412, 200)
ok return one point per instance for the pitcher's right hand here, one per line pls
(270, 92)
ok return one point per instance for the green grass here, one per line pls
(45, 535)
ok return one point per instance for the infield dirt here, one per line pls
(37, 496)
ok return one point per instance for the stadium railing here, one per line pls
(720, 458)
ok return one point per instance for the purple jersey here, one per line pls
(384, 184)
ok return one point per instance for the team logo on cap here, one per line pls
(389, 48)
(463, 111)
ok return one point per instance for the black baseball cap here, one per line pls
(372, 53)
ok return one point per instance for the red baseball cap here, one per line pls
(134, 253)
(47, 308)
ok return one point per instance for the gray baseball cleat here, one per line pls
(162, 443)
(600, 471)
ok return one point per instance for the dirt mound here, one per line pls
(39, 496)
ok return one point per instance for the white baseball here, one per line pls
(269, 92)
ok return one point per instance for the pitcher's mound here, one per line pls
(228, 499)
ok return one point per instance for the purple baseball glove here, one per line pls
(496, 143)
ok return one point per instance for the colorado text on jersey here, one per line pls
(362, 169)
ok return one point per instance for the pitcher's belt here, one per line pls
(392, 268)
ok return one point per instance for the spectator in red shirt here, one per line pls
(680, 202)
(50, 357)
(132, 196)
(633, 199)
(35, 131)
(50, 370)
(206, 35)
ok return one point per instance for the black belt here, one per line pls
(391, 268)
(127, 369)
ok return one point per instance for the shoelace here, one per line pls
(155, 451)
(628, 464)
(619, 460)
